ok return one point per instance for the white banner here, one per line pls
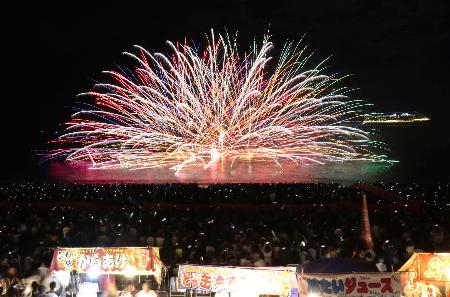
(350, 285)
(246, 281)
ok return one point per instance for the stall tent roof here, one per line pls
(337, 265)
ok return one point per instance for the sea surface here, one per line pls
(420, 158)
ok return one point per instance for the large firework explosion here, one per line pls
(197, 108)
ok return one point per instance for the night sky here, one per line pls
(396, 51)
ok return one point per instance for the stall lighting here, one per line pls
(93, 273)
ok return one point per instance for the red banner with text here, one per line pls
(121, 260)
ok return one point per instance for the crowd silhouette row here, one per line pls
(229, 224)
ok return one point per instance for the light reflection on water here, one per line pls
(421, 159)
(242, 172)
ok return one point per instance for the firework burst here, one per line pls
(196, 108)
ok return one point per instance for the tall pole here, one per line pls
(366, 234)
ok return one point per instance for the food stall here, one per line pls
(426, 275)
(236, 281)
(88, 271)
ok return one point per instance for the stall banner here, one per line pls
(266, 281)
(426, 275)
(433, 267)
(131, 261)
(355, 284)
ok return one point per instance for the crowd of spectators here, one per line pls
(230, 224)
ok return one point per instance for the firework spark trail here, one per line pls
(190, 109)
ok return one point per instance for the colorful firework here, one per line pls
(197, 108)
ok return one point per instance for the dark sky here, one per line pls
(397, 51)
